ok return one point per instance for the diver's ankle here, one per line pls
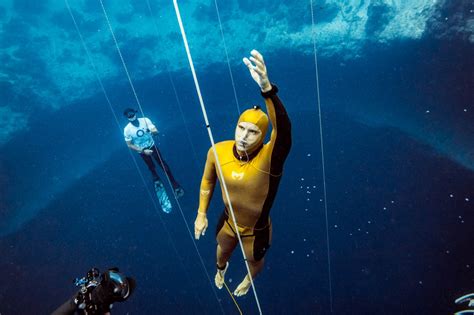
(221, 268)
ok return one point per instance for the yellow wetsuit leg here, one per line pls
(256, 242)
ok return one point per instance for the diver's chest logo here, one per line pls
(140, 133)
(237, 176)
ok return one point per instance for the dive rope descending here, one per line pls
(211, 138)
(169, 181)
(313, 36)
(152, 199)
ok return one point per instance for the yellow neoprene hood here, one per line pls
(257, 117)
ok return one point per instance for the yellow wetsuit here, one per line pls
(252, 181)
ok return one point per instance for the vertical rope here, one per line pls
(227, 57)
(174, 91)
(211, 138)
(170, 239)
(159, 156)
(233, 299)
(322, 156)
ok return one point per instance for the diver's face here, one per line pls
(132, 118)
(247, 136)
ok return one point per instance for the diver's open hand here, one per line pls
(200, 225)
(258, 70)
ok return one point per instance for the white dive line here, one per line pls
(130, 153)
(211, 138)
(227, 57)
(313, 35)
(178, 102)
(159, 155)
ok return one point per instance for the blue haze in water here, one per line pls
(396, 83)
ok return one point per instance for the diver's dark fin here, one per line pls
(163, 199)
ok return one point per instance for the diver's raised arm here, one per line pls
(281, 126)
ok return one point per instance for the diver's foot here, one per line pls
(219, 279)
(243, 287)
(179, 192)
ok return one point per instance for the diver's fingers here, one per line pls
(252, 68)
(258, 63)
(248, 63)
(261, 72)
(205, 227)
(260, 68)
(197, 231)
(257, 55)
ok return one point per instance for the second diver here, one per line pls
(138, 134)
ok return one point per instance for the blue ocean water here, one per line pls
(396, 82)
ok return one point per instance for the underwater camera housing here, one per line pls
(98, 292)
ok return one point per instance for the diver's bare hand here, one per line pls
(200, 225)
(258, 70)
(147, 151)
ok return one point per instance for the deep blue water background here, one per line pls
(399, 244)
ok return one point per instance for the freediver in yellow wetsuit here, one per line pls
(252, 172)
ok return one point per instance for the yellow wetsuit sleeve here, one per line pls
(208, 182)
